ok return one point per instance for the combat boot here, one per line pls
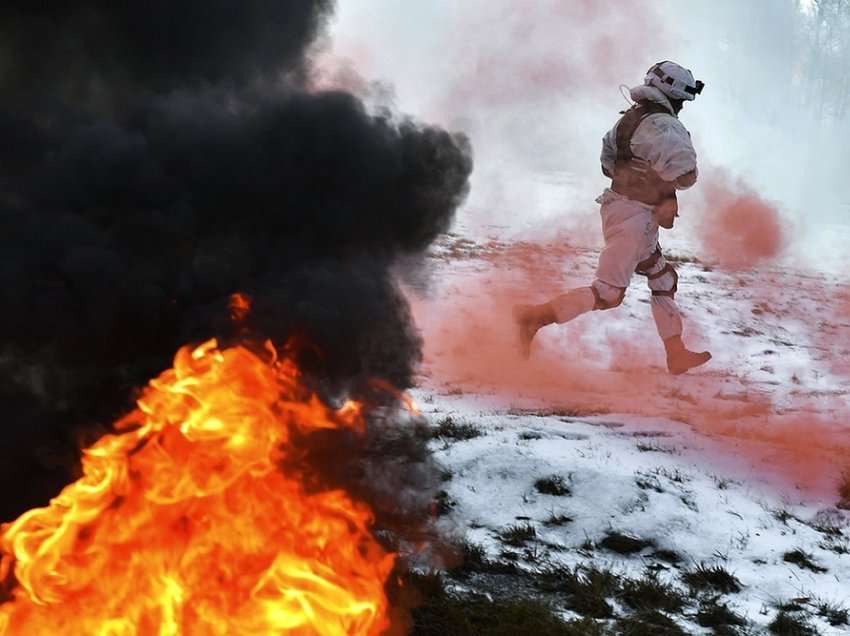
(680, 359)
(529, 319)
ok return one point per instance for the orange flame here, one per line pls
(239, 306)
(403, 397)
(184, 523)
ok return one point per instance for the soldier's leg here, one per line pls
(662, 279)
(613, 272)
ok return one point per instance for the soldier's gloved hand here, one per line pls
(666, 212)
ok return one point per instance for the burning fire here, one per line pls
(239, 306)
(184, 523)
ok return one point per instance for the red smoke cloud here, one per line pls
(470, 339)
(613, 362)
(492, 57)
(739, 229)
(508, 53)
(832, 328)
(843, 295)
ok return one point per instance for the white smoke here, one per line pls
(535, 84)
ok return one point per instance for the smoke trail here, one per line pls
(739, 229)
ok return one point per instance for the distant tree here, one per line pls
(826, 66)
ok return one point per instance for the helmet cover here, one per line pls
(675, 81)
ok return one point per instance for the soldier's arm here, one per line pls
(609, 153)
(671, 153)
(686, 180)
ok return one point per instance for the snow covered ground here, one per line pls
(552, 460)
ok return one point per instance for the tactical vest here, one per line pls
(634, 177)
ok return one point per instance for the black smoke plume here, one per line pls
(157, 157)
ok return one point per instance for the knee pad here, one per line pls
(664, 288)
(607, 296)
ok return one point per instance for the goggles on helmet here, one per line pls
(675, 83)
